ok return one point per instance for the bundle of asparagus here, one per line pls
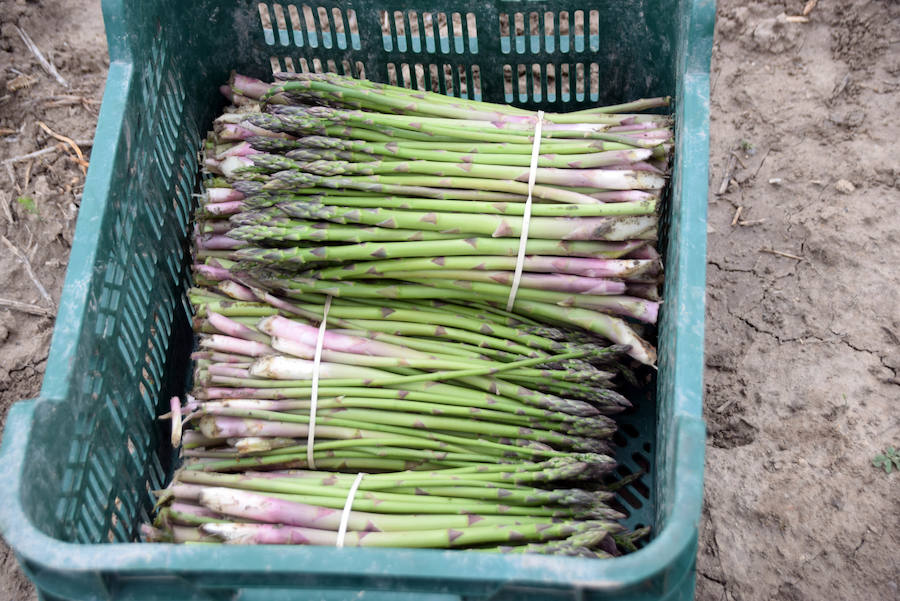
(385, 192)
(476, 426)
(483, 507)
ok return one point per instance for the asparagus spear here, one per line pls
(559, 228)
(468, 247)
(444, 538)
(625, 269)
(262, 508)
(602, 179)
(430, 153)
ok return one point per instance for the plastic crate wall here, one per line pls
(538, 54)
(81, 460)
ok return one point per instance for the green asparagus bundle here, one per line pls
(474, 425)
(331, 178)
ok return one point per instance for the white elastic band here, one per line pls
(348, 506)
(526, 218)
(314, 394)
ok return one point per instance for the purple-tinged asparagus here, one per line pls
(267, 534)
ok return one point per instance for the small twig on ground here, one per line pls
(21, 256)
(737, 157)
(5, 131)
(83, 164)
(28, 174)
(721, 408)
(39, 153)
(26, 308)
(12, 175)
(32, 155)
(69, 141)
(726, 178)
(761, 162)
(47, 65)
(772, 251)
(751, 222)
(737, 215)
(809, 7)
(21, 82)
(67, 100)
(839, 88)
(6, 211)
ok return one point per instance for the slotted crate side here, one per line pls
(570, 55)
(119, 352)
(123, 331)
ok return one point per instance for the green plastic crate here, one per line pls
(80, 461)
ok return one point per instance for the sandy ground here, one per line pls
(803, 343)
(802, 348)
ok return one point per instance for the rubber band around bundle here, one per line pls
(348, 507)
(314, 392)
(526, 217)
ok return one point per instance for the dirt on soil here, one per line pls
(803, 332)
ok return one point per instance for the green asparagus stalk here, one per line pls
(511, 205)
(600, 179)
(458, 247)
(420, 185)
(446, 538)
(625, 269)
(619, 228)
(395, 150)
(311, 231)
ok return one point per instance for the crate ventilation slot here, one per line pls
(633, 454)
(462, 81)
(549, 32)
(550, 82)
(305, 64)
(433, 33)
(309, 26)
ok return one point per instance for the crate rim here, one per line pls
(139, 558)
(411, 565)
